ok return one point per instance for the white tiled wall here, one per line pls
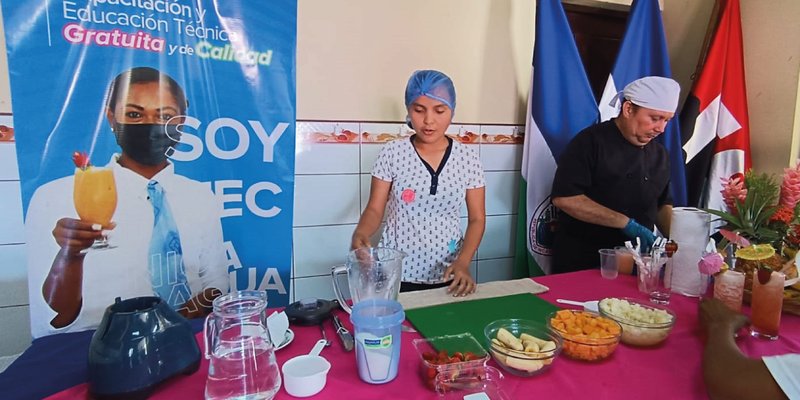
(495, 269)
(318, 248)
(11, 212)
(498, 239)
(8, 162)
(331, 193)
(331, 188)
(326, 199)
(15, 334)
(499, 184)
(13, 276)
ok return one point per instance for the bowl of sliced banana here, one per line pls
(522, 347)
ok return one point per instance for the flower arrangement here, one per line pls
(761, 211)
(763, 220)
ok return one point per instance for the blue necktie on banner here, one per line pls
(167, 272)
(643, 52)
(561, 104)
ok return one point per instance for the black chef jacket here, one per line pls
(601, 164)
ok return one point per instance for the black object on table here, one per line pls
(53, 364)
(311, 311)
(139, 343)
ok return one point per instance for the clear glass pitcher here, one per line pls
(372, 273)
(237, 342)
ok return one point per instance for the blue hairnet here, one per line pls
(433, 84)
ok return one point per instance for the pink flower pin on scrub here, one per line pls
(408, 196)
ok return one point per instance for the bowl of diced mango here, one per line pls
(586, 336)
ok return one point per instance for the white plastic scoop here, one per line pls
(306, 375)
(587, 305)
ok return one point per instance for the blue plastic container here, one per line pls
(377, 335)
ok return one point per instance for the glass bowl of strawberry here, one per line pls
(455, 357)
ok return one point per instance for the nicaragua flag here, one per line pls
(714, 118)
(560, 104)
(644, 53)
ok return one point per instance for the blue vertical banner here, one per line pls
(194, 99)
(561, 104)
(643, 52)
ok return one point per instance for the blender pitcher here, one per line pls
(237, 343)
(372, 273)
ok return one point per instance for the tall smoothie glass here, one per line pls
(766, 306)
(95, 198)
(729, 289)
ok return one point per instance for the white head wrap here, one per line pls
(653, 92)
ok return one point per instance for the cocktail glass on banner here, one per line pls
(95, 197)
(766, 304)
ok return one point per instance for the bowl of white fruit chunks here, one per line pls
(643, 324)
(522, 347)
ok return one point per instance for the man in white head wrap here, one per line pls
(654, 93)
(612, 181)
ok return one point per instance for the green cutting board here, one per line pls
(472, 316)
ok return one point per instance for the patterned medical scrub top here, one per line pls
(423, 208)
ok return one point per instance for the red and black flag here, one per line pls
(714, 123)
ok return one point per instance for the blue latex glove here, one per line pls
(633, 230)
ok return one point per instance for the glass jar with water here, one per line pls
(237, 342)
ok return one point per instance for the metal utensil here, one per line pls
(324, 336)
(344, 335)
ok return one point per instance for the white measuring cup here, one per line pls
(307, 374)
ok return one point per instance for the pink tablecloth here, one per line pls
(671, 371)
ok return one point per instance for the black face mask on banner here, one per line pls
(147, 143)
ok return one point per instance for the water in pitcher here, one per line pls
(242, 362)
(243, 372)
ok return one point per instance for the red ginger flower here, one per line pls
(794, 236)
(783, 214)
(733, 189)
(790, 187)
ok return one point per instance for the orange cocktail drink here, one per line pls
(624, 260)
(95, 195)
(766, 305)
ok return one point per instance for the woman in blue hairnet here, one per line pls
(422, 182)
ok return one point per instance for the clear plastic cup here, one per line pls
(652, 279)
(608, 263)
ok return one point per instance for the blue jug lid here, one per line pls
(377, 313)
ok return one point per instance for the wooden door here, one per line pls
(598, 35)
